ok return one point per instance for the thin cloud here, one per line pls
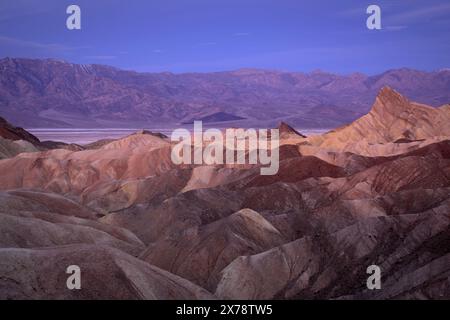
(352, 12)
(420, 14)
(14, 10)
(158, 51)
(35, 45)
(402, 18)
(100, 57)
(241, 34)
(395, 28)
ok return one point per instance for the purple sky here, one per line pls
(215, 35)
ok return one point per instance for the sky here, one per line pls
(218, 35)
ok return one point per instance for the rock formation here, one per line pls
(375, 192)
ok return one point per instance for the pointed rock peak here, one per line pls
(284, 128)
(147, 132)
(142, 131)
(388, 93)
(390, 101)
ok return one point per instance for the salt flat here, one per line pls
(85, 136)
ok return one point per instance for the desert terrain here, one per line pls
(375, 191)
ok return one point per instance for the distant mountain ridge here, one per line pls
(54, 93)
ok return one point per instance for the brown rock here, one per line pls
(199, 254)
(106, 273)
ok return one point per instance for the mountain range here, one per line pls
(53, 93)
(373, 192)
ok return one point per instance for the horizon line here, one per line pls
(318, 70)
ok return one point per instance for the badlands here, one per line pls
(373, 192)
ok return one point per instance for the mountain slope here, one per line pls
(392, 119)
(51, 93)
